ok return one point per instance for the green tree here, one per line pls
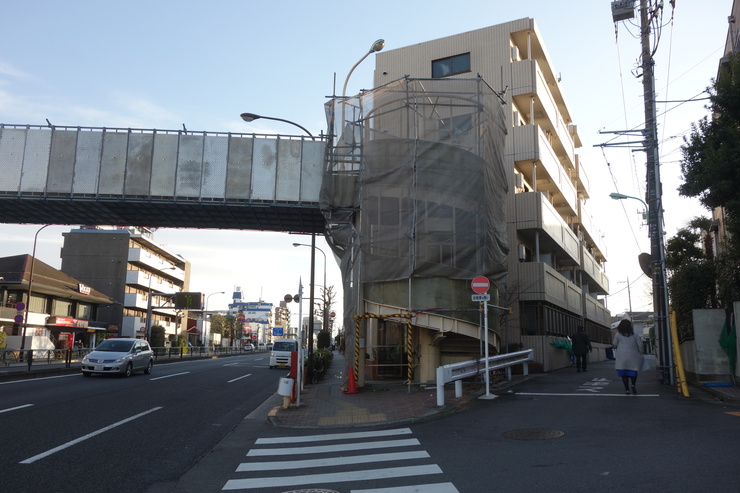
(156, 338)
(692, 274)
(710, 166)
(323, 339)
(233, 329)
(218, 324)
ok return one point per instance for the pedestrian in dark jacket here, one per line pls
(581, 348)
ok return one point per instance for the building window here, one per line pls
(61, 308)
(444, 67)
(453, 128)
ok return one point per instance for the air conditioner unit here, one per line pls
(519, 179)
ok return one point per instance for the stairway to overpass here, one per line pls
(160, 178)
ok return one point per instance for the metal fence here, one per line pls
(31, 357)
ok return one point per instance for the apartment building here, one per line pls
(255, 317)
(555, 277)
(127, 264)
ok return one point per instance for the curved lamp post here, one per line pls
(30, 287)
(621, 196)
(325, 287)
(309, 373)
(250, 117)
(205, 316)
(377, 46)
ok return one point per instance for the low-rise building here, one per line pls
(52, 309)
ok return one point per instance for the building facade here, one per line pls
(555, 277)
(255, 317)
(127, 264)
(52, 309)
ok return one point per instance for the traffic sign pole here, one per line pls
(480, 286)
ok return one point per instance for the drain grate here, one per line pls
(534, 434)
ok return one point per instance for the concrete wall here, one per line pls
(703, 357)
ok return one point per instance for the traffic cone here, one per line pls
(351, 385)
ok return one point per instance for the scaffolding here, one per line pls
(415, 186)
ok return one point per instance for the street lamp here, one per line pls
(250, 117)
(30, 288)
(205, 316)
(311, 301)
(324, 321)
(149, 304)
(377, 46)
(621, 196)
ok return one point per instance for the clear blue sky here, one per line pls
(162, 64)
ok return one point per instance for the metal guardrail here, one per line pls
(456, 372)
(30, 357)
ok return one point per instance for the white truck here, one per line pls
(280, 354)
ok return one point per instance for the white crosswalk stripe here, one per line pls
(278, 462)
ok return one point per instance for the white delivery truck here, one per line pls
(280, 354)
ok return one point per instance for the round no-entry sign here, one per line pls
(480, 284)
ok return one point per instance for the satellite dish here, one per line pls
(646, 263)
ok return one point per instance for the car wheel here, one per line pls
(148, 368)
(129, 370)
(86, 374)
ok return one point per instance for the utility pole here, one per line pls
(655, 202)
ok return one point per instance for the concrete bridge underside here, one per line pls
(156, 178)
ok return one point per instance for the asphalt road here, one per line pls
(559, 432)
(72, 433)
(200, 426)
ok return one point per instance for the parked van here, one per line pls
(281, 349)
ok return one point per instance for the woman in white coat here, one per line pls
(629, 356)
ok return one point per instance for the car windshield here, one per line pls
(114, 346)
(284, 346)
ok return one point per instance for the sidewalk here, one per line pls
(326, 405)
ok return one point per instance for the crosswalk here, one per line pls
(381, 461)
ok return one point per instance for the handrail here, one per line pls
(455, 372)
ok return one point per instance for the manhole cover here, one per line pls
(312, 490)
(534, 434)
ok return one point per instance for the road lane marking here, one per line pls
(168, 376)
(333, 436)
(333, 448)
(426, 488)
(14, 408)
(586, 395)
(329, 462)
(239, 378)
(26, 380)
(307, 479)
(85, 437)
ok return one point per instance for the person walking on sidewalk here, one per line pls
(629, 357)
(581, 348)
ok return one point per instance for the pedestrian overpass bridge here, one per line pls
(160, 178)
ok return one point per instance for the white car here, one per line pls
(119, 357)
